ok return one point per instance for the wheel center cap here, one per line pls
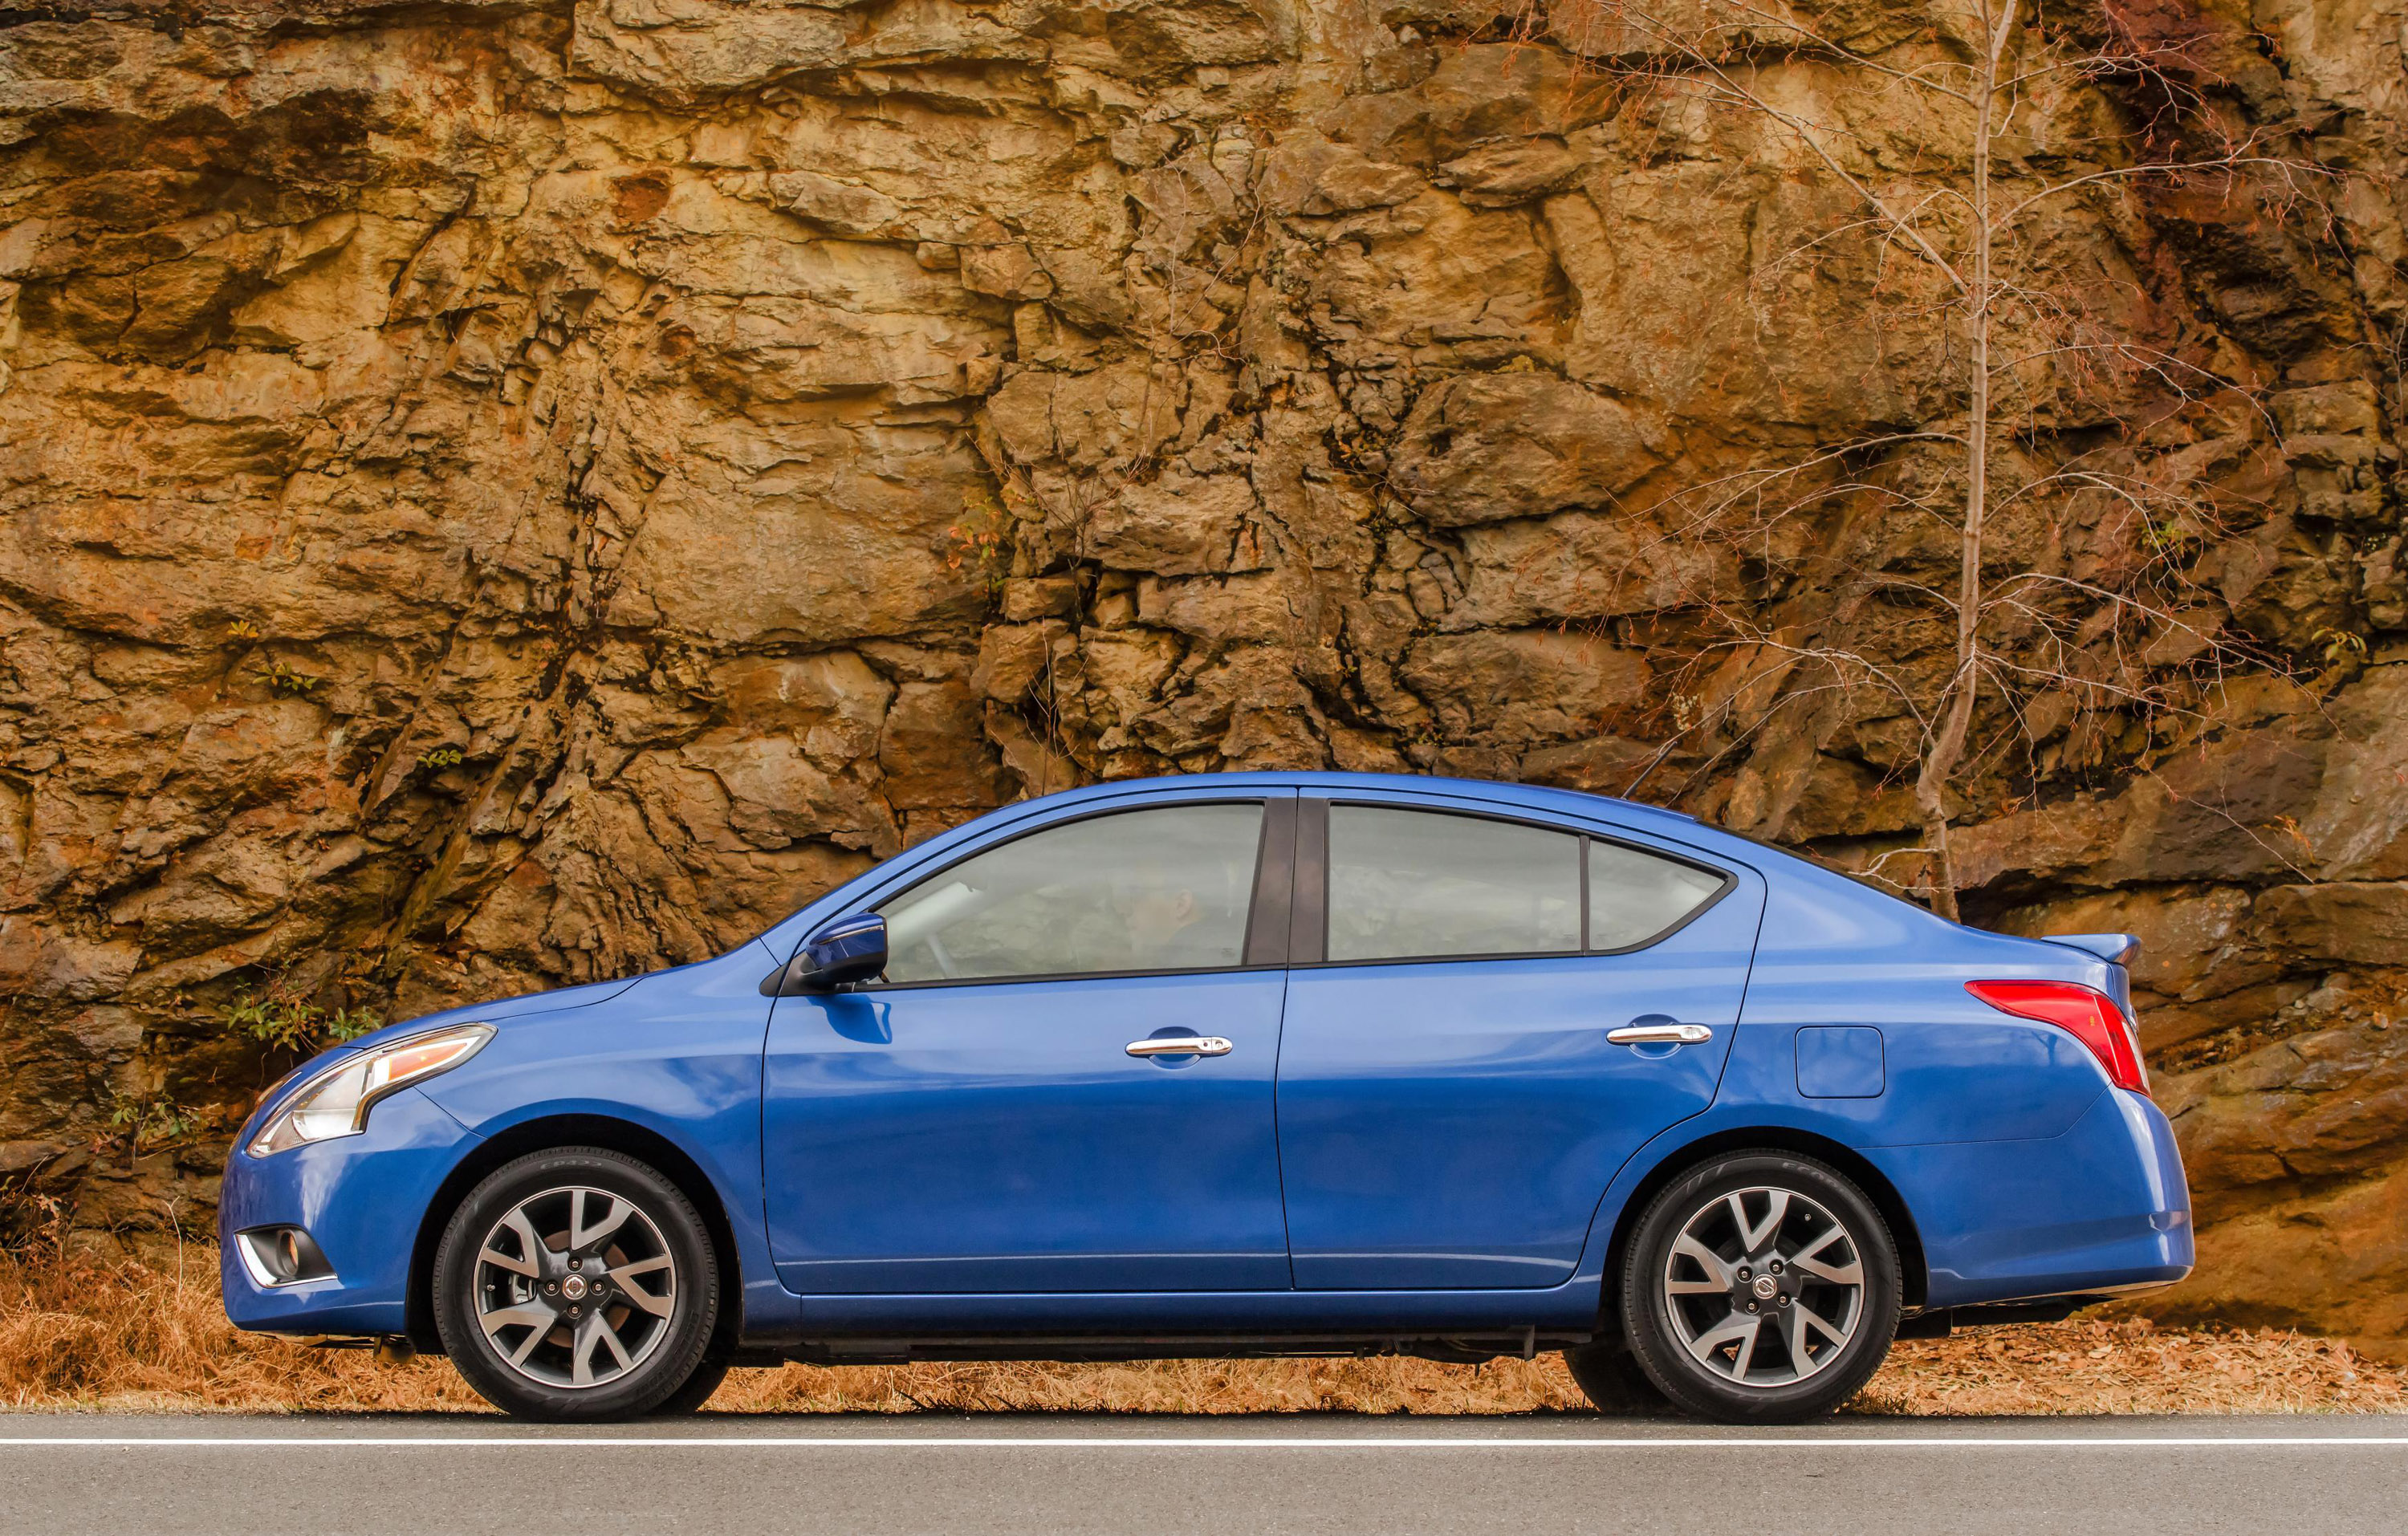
(1765, 1287)
(574, 1287)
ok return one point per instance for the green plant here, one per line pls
(439, 757)
(282, 1021)
(150, 1119)
(2172, 536)
(282, 678)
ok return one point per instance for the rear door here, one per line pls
(1450, 1105)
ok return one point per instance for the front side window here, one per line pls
(1167, 888)
(1416, 883)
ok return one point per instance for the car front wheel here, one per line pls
(1760, 1288)
(1612, 1380)
(577, 1285)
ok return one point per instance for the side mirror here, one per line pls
(851, 949)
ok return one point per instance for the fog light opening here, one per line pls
(283, 1256)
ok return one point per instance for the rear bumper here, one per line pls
(361, 1198)
(2103, 1208)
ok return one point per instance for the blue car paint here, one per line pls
(1000, 1138)
(345, 1192)
(680, 1057)
(2129, 1229)
(1412, 1092)
(554, 1001)
(1840, 1061)
(997, 1137)
(2022, 1172)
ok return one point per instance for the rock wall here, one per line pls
(497, 494)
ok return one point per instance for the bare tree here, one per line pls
(1961, 237)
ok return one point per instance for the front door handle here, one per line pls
(1660, 1034)
(1181, 1045)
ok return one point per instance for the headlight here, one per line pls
(337, 1101)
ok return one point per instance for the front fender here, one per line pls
(361, 1197)
(677, 1056)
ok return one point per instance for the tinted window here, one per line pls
(1633, 897)
(1166, 889)
(1408, 883)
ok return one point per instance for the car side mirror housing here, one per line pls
(849, 950)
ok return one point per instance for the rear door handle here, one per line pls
(1181, 1045)
(1660, 1034)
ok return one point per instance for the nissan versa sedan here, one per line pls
(1243, 1066)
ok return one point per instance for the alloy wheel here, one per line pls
(575, 1286)
(1763, 1286)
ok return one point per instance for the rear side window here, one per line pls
(1635, 896)
(1415, 882)
(1423, 884)
(1161, 889)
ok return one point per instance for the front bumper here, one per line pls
(2101, 1209)
(361, 1198)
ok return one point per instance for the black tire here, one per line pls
(697, 1389)
(646, 1274)
(718, 1358)
(1606, 1371)
(1771, 1264)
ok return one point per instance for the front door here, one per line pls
(1451, 1108)
(976, 1122)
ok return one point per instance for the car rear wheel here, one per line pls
(1760, 1288)
(577, 1285)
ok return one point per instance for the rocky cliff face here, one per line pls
(498, 494)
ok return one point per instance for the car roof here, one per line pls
(1537, 797)
(1672, 826)
(1767, 858)
(1490, 789)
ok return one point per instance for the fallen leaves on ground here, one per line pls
(2131, 1367)
(138, 1337)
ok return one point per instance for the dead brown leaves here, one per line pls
(135, 1337)
(2131, 1367)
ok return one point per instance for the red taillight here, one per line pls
(2092, 1016)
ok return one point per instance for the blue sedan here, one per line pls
(1243, 1066)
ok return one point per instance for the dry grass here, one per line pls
(135, 1337)
(2081, 1366)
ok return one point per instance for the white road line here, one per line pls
(1199, 1442)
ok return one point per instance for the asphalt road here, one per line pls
(405, 1476)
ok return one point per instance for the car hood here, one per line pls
(493, 1012)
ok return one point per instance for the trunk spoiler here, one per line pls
(2116, 949)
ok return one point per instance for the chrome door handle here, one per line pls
(1660, 1034)
(1182, 1046)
